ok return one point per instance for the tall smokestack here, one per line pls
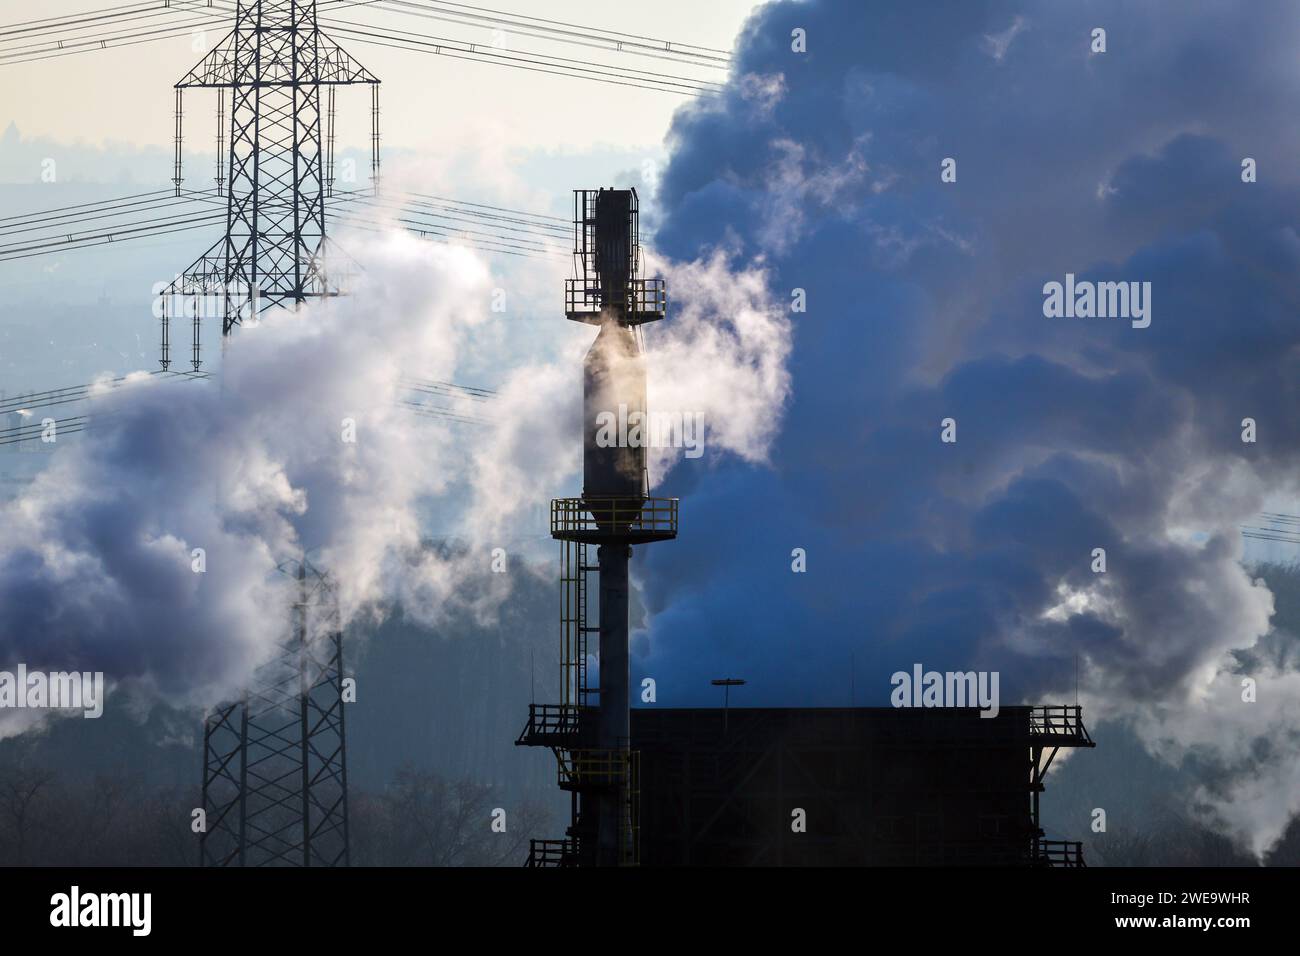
(591, 741)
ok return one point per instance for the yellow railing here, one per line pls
(651, 517)
(594, 768)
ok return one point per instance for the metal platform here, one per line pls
(553, 853)
(599, 520)
(1059, 725)
(607, 262)
(552, 725)
(1057, 853)
(646, 301)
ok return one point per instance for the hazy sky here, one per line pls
(126, 94)
(471, 130)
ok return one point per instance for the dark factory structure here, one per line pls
(849, 786)
(742, 787)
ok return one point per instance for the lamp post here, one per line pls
(727, 683)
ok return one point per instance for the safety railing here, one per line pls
(592, 518)
(549, 721)
(552, 853)
(1058, 853)
(645, 300)
(593, 768)
(1059, 720)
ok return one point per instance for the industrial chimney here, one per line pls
(589, 729)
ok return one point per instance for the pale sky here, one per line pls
(475, 131)
(125, 95)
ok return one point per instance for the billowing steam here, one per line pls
(148, 551)
(924, 295)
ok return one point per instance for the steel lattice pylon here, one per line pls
(275, 763)
(274, 64)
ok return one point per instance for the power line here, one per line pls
(1288, 534)
(516, 212)
(513, 231)
(101, 202)
(164, 225)
(407, 40)
(1280, 517)
(106, 40)
(535, 63)
(460, 14)
(435, 211)
(109, 212)
(631, 36)
(1262, 534)
(80, 393)
(436, 235)
(560, 32)
(96, 38)
(77, 393)
(66, 426)
(448, 390)
(70, 21)
(545, 242)
(542, 225)
(538, 223)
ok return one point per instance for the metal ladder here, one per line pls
(575, 586)
(630, 828)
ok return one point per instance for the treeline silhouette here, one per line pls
(419, 819)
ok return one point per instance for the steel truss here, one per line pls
(275, 762)
(273, 64)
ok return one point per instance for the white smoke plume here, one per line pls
(721, 354)
(301, 443)
(298, 444)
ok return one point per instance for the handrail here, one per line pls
(614, 516)
(1059, 852)
(1062, 720)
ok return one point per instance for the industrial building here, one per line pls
(880, 786)
(848, 786)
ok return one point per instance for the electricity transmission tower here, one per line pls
(275, 776)
(274, 762)
(277, 66)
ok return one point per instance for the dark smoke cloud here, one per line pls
(925, 301)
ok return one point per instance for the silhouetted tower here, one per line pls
(589, 729)
(277, 67)
(274, 762)
(275, 777)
